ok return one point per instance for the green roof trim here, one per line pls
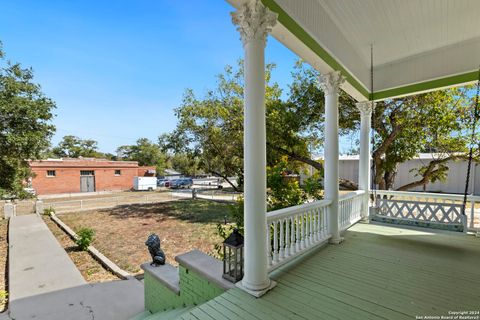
(427, 85)
(303, 36)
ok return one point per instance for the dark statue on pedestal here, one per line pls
(153, 244)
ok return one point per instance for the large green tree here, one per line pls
(185, 163)
(74, 147)
(211, 127)
(295, 125)
(437, 122)
(145, 152)
(25, 125)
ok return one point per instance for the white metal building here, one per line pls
(455, 183)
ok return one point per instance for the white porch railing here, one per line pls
(292, 231)
(350, 208)
(429, 208)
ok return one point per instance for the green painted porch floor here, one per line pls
(379, 272)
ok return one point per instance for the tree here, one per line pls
(185, 164)
(145, 152)
(74, 147)
(295, 127)
(211, 128)
(25, 125)
(431, 122)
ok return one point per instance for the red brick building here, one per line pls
(55, 176)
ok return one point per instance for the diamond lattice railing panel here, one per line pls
(421, 210)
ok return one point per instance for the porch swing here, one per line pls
(387, 209)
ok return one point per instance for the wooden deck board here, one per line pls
(402, 282)
(379, 272)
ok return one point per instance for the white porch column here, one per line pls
(365, 108)
(254, 21)
(330, 84)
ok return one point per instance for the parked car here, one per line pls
(162, 182)
(181, 183)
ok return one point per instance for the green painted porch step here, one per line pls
(142, 316)
(164, 315)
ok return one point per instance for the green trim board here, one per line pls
(304, 37)
(427, 85)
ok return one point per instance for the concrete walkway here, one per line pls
(44, 284)
(114, 300)
(37, 263)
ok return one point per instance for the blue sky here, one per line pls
(117, 69)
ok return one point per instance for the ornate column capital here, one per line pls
(331, 81)
(254, 21)
(365, 108)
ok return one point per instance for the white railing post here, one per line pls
(292, 236)
(282, 241)
(269, 246)
(298, 239)
(472, 212)
(304, 231)
(330, 84)
(287, 237)
(275, 242)
(254, 22)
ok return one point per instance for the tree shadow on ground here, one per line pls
(196, 211)
(74, 248)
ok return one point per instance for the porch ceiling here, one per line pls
(419, 45)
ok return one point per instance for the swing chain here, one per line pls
(476, 114)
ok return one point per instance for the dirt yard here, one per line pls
(90, 268)
(117, 194)
(121, 232)
(3, 263)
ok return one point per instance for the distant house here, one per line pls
(72, 175)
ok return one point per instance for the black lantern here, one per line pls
(233, 257)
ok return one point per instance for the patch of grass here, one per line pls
(182, 225)
(50, 211)
(3, 264)
(195, 211)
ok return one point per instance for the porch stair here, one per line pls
(170, 292)
(163, 315)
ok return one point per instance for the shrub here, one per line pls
(282, 192)
(49, 211)
(85, 238)
(3, 297)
